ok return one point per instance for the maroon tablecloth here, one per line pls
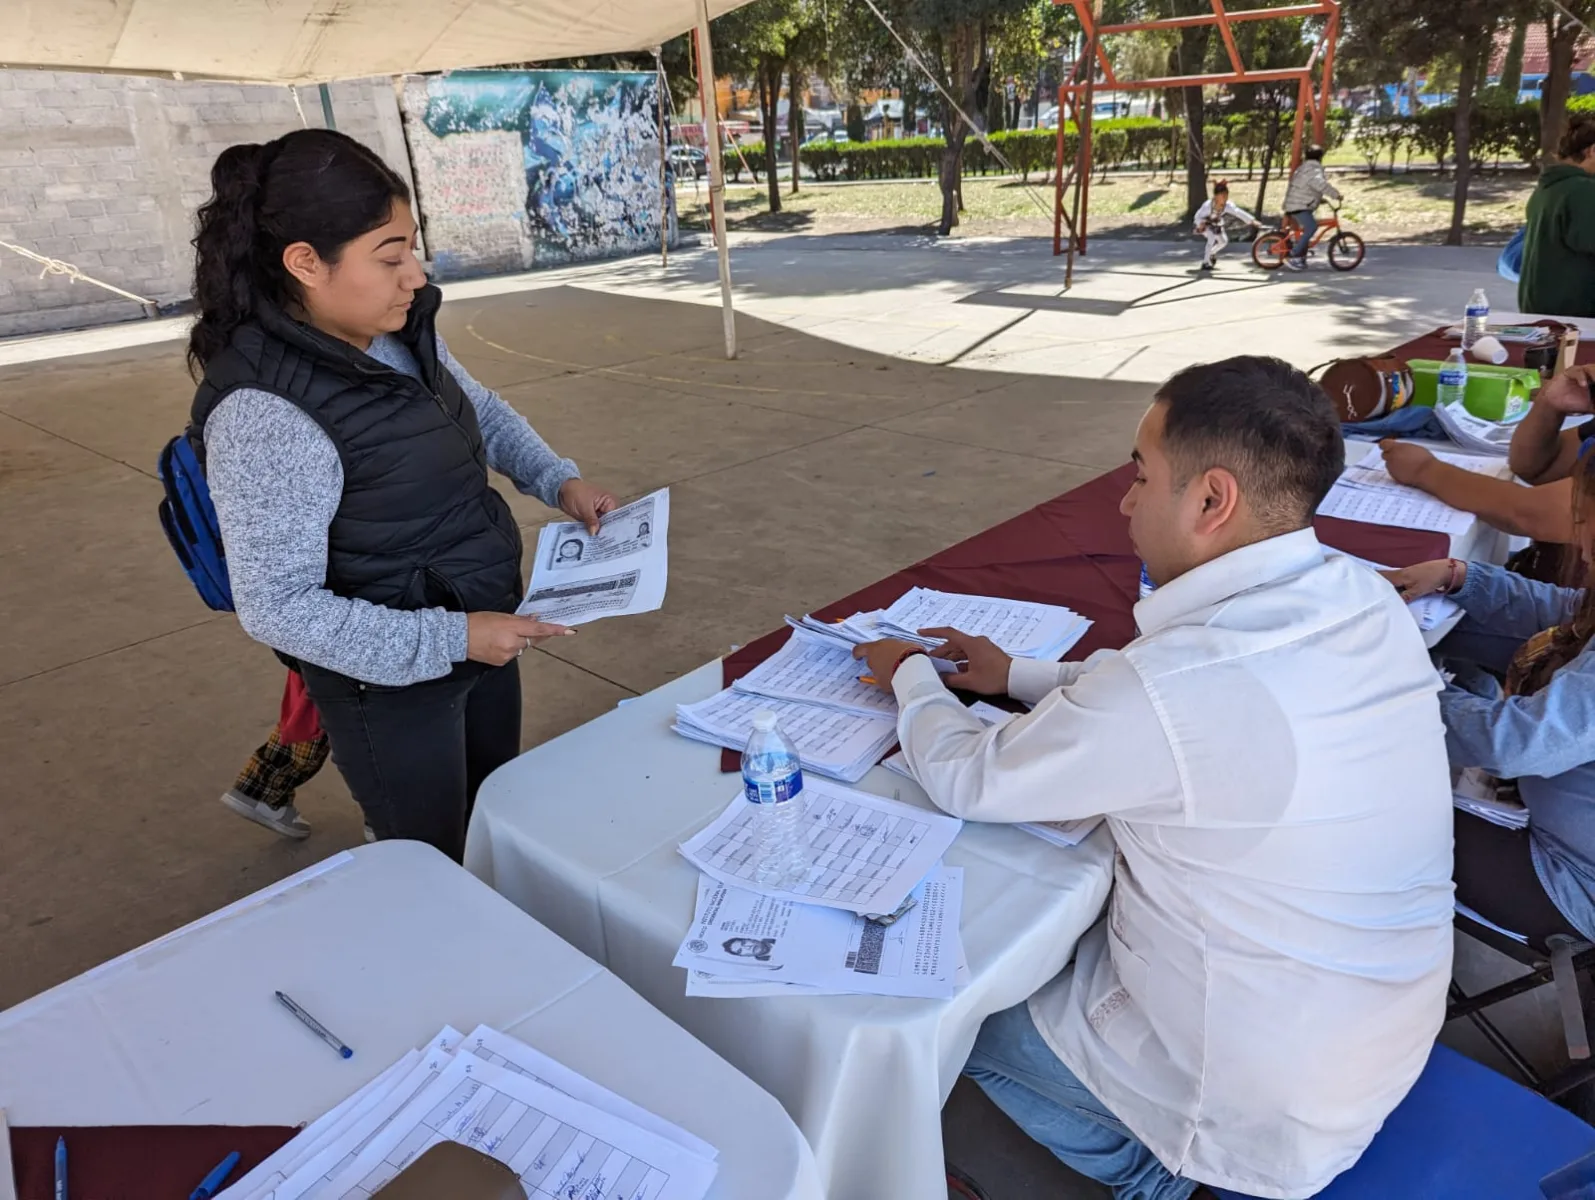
(136, 1162)
(1073, 550)
(1435, 345)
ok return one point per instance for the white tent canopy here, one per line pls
(311, 41)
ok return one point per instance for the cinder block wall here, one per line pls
(105, 172)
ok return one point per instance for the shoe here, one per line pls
(1295, 264)
(370, 835)
(284, 821)
(1207, 266)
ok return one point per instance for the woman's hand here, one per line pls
(1439, 577)
(582, 501)
(494, 638)
(1406, 462)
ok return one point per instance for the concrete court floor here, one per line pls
(805, 469)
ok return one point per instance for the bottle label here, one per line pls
(1477, 310)
(1453, 378)
(773, 791)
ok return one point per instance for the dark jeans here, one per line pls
(414, 756)
(1495, 878)
(1309, 226)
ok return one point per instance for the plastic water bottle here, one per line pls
(1147, 586)
(1475, 318)
(1453, 379)
(772, 780)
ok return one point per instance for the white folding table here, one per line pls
(582, 833)
(385, 945)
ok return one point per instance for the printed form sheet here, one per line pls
(557, 1146)
(1018, 627)
(1366, 492)
(740, 938)
(620, 571)
(839, 744)
(817, 670)
(862, 853)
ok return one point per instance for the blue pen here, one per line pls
(212, 1183)
(60, 1168)
(315, 1026)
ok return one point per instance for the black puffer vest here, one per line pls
(418, 525)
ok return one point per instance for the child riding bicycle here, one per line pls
(1307, 189)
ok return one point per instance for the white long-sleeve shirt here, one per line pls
(1205, 215)
(1269, 754)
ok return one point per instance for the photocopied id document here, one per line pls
(739, 938)
(861, 852)
(619, 571)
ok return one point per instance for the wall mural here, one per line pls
(520, 169)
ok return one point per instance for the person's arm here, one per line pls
(1541, 449)
(1505, 603)
(1579, 233)
(1092, 746)
(1242, 214)
(1329, 189)
(276, 481)
(513, 446)
(1202, 214)
(1511, 736)
(1543, 513)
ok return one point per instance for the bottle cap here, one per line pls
(764, 720)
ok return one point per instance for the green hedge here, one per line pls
(1498, 129)
(1231, 141)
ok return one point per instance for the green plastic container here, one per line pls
(1494, 393)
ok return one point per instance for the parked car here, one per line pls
(689, 161)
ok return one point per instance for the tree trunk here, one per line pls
(769, 95)
(910, 116)
(1561, 35)
(962, 47)
(1192, 54)
(1467, 80)
(797, 125)
(1512, 64)
(1268, 151)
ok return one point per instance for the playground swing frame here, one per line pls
(1076, 96)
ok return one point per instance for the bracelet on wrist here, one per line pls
(901, 659)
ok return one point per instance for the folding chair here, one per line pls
(1463, 1132)
(1558, 964)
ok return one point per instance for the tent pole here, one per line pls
(664, 191)
(717, 183)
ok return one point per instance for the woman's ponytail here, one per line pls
(225, 283)
(312, 185)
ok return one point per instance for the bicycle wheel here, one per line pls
(1270, 248)
(1346, 251)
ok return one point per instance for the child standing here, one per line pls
(1210, 220)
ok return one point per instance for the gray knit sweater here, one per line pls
(276, 481)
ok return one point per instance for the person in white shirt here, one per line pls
(1210, 219)
(1272, 969)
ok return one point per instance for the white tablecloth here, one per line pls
(582, 833)
(385, 945)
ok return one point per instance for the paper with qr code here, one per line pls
(742, 943)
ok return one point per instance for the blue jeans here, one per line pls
(1309, 226)
(1018, 1070)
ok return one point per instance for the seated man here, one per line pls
(1543, 455)
(1272, 969)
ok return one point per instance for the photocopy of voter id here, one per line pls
(619, 571)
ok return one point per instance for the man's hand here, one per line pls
(494, 637)
(1569, 392)
(884, 657)
(1407, 462)
(582, 501)
(983, 668)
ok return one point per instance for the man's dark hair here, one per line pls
(1314, 152)
(1263, 421)
(1577, 138)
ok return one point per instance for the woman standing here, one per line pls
(347, 455)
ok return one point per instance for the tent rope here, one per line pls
(56, 266)
(980, 134)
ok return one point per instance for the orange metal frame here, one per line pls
(1076, 95)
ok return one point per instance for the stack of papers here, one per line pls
(1066, 834)
(1431, 611)
(811, 669)
(621, 570)
(1018, 627)
(1366, 492)
(842, 745)
(1528, 335)
(861, 853)
(746, 944)
(561, 1133)
(1476, 791)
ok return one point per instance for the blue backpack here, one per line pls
(189, 519)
